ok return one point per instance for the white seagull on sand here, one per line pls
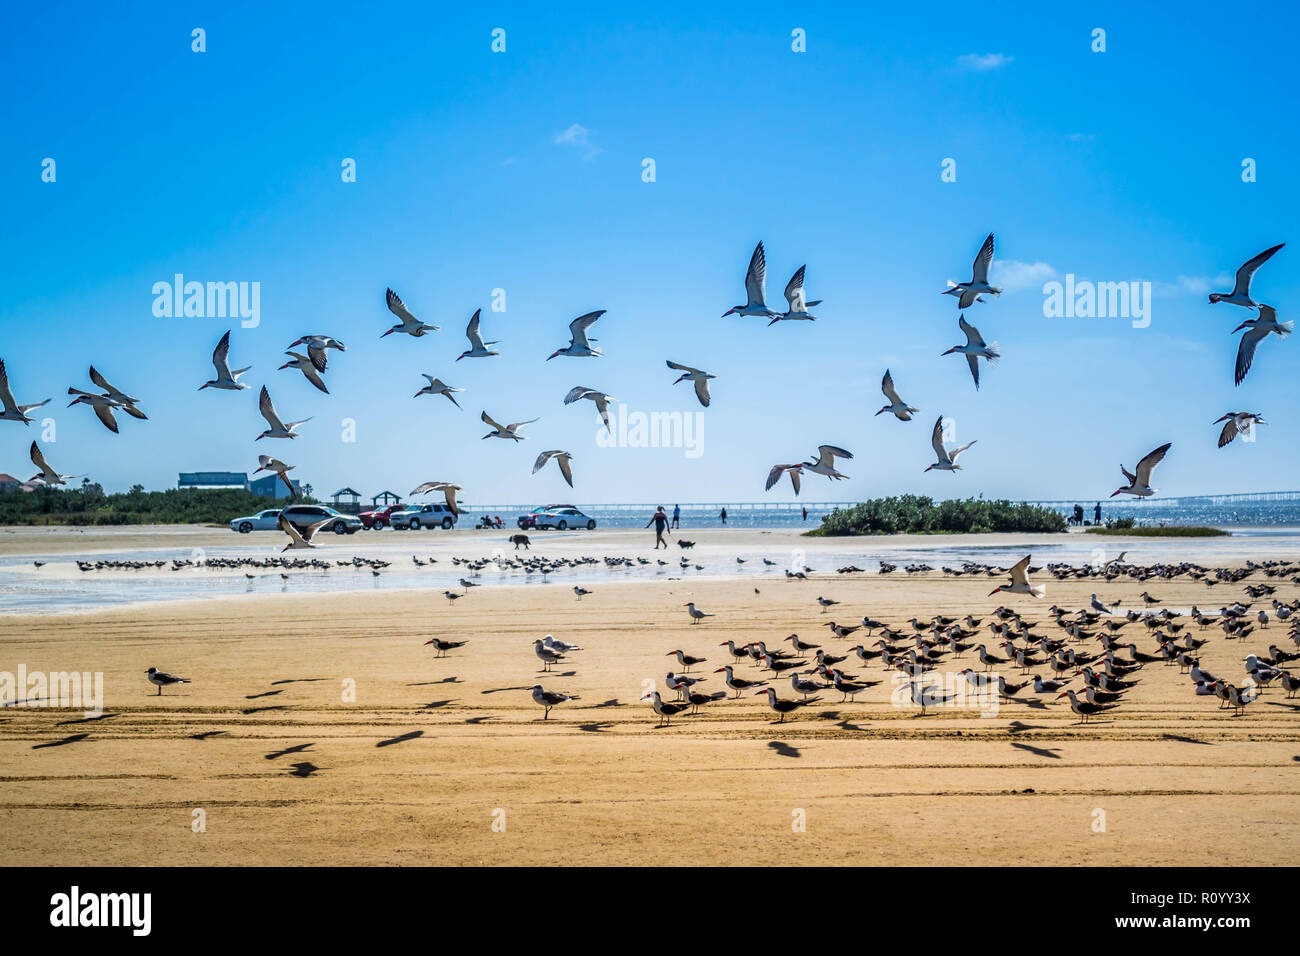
(947, 459)
(13, 412)
(701, 380)
(562, 458)
(1139, 485)
(901, 410)
(437, 386)
(1240, 294)
(221, 361)
(1259, 329)
(579, 346)
(478, 348)
(278, 428)
(974, 349)
(409, 324)
(755, 277)
(794, 296)
(978, 286)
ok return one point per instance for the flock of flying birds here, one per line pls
(110, 399)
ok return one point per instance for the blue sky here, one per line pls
(225, 166)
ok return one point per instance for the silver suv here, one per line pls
(422, 516)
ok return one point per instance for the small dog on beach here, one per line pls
(685, 544)
(518, 539)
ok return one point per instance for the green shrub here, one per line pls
(918, 514)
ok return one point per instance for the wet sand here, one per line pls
(446, 761)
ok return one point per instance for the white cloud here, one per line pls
(1192, 285)
(984, 61)
(579, 137)
(1012, 276)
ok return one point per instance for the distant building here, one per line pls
(272, 486)
(347, 500)
(222, 480)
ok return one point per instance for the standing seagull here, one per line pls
(1020, 581)
(701, 380)
(409, 324)
(47, 474)
(308, 369)
(600, 398)
(755, 277)
(562, 458)
(267, 463)
(902, 411)
(437, 386)
(696, 614)
(478, 348)
(549, 699)
(794, 295)
(968, 292)
(579, 346)
(824, 463)
(316, 346)
(1259, 329)
(974, 349)
(278, 428)
(947, 459)
(447, 488)
(505, 431)
(1243, 422)
(161, 680)
(221, 361)
(1139, 485)
(1240, 294)
(13, 412)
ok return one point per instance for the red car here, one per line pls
(379, 518)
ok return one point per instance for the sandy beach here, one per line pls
(447, 761)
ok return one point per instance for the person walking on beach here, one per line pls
(677, 516)
(660, 521)
(723, 516)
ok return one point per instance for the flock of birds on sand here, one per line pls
(110, 400)
(1049, 661)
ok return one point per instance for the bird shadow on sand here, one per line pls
(501, 690)
(260, 710)
(596, 727)
(303, 769)
(295, 749)
(267, 693)
(612, 702)
(206, 734)
(60, 743)
(1186, 740)
(397, 740)
(1017, 727)
(84, 720)
(436, 704)
(431, 683)
(481, 720)
(783, 749)
(1039, 751)
(298, 680)
(1278, 703)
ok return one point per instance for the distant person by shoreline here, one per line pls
(677, 516)
(723, 515)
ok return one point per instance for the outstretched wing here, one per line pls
(576, 393)
(513, 425)
(578, 327)
(543, 458)
(489, 420)
(774, 476)
(702, 391)
(287, 527)
(1248, 269)
(472, 333)
(268, 411)
(794, 291)
(887, 386)
(1229, 432)
(974, 363)
(105, 414)
(936, 440)
(980, 270)
(566, 467)
(221, 357)
(6, 394)
(682, 368)
(1020, 571)
(398, 307)
(39, 460)
(956, 452)
(1246, 352)
(973, 336)
(1148, 464)
(828, 453)
(756, 276)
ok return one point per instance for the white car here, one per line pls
(422, 516)
(268, 520)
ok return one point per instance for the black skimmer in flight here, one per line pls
(1240, 294)
(947, 459)
(978, 286)
(478, 348)
(755, 293)
(975, 349)
(599, 398)
(505, 431)
(409, 324)
(1139, 484)
(794, 296)
(1259, 330)
(226, 379)
(562, 458)
(579, 346)
(1020, 581)
(699, 378)
(899, 408)
(437, 386)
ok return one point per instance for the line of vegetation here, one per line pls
(918, 514)
(88, 505)
(1126, 528)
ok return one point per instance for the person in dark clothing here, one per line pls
(677, 515)
(805, 514)
(1096, 514)
(660, 521)
(723, 516)
(1078, 514)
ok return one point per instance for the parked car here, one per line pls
(559, 517)
(374, 520)
(268, 520)
(423, 516)
(304, 516)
